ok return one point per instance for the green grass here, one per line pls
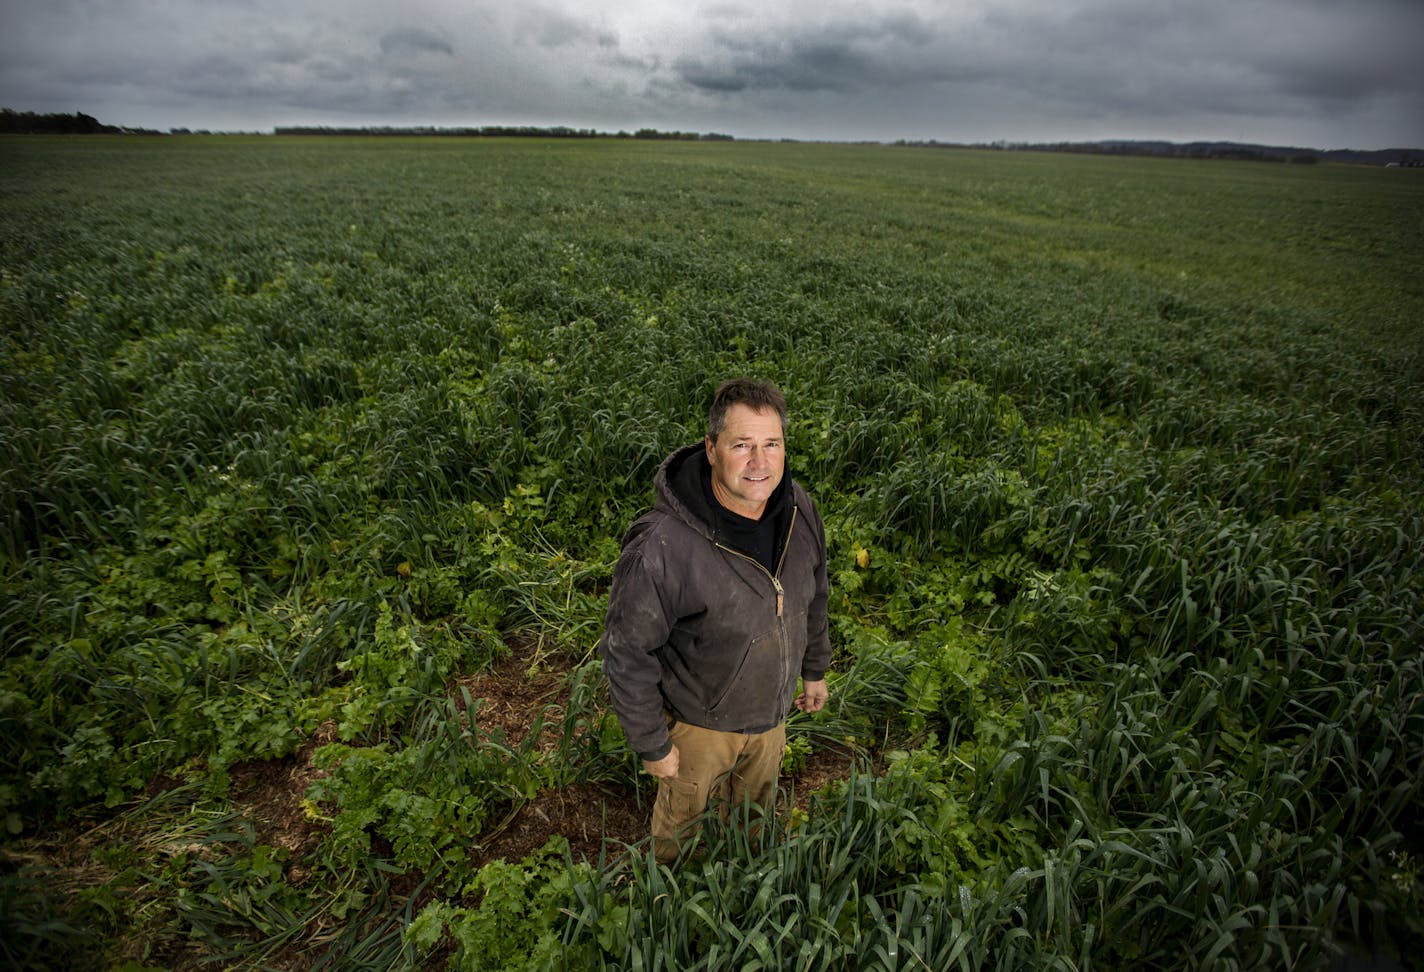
(293, 432)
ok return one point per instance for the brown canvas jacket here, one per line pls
(700, 631)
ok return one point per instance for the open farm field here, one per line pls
(315, 456)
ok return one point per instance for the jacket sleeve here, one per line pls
(818, 641)
(636, 625)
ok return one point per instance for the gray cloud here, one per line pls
(554, 29)
(835, 56)
(412, 41)
(1312, 72)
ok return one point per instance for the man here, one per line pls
(718, 605)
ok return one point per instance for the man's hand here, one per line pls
(665, 768)
(813, 696)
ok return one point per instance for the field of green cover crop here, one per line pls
(303, 441)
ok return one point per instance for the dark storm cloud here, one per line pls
(1308, 70)
(1144, 64)
(414, 41)
(554, 29)
(829, 57)
(1202, 54)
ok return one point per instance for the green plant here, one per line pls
(514, 919)
(1123, 511)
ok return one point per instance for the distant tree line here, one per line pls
(1228, 150)
(33, 123)
(1193, 150)
(497, 131)
(29, 123)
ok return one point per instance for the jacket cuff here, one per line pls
(653, 755)
(809, 676)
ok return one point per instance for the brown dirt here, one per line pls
(510, 697)
(269, 795)
(599, 821)
(596, 820)
(822, 768)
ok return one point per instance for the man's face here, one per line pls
(747, 459)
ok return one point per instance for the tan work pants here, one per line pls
(720, 769)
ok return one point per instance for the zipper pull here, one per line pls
(780, 595)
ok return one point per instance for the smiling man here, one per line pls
(717, 609)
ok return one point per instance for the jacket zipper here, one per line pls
(780, 592)
(776, 577)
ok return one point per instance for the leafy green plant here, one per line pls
(429, 798)
(515, 917)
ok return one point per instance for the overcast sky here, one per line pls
(1311, 73)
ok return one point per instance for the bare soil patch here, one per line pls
(600, 821)
(269, 795)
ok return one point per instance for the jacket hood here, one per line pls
(680, 487)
